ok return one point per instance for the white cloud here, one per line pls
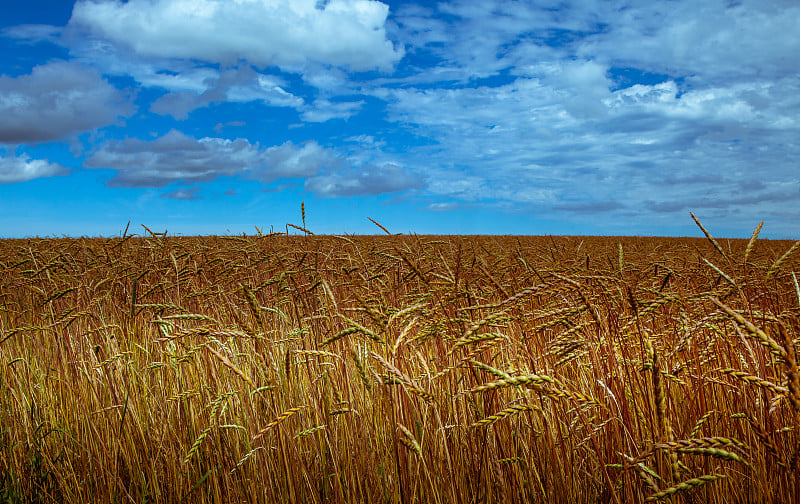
(713, 41)
(579, 107)
(186, 194)
(290, 161)
(585, 86)
(237, 85)
(269, 89)
(323, 110)
(285, 33)
(32, 33)
(367, 142)
(176, 157)
(23, 168)
(184, 79)
(366, 179)
(165, 73)
(57, 100)
(523, 105)
(560, 140)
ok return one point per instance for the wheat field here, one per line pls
(399, 369)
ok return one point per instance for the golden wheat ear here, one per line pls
(708, 235)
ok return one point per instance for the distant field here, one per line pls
(399, 369)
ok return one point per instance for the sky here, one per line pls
(458, 117)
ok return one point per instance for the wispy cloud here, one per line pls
(241, 85)
(188, 194)
(323, 110)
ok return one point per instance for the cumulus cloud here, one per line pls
(367, 179)
(23, 168)
(57, 100)
(290, 161)
(176, 157)
(285, 33)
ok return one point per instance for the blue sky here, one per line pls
(461, 117)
